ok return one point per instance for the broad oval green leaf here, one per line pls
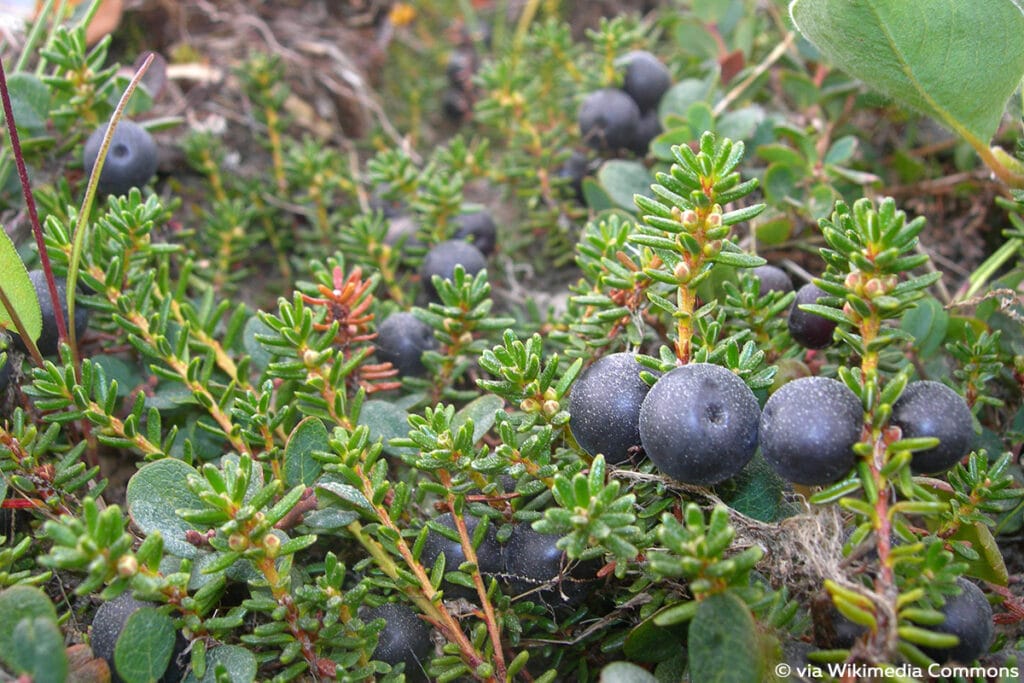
(237, 662)
(145, 646)
(956, 60)
(386, 421)
(154, 493)
(622, 180)
(625, 672)
(308, 437)
(723, 642)
(18, 604)
(37, 649)
(18, 289)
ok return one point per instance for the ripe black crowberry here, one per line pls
(604, 407)
(405, 638)
(131, 159)
(608, 119)
(401, 340)
(49, 337)
(809, 329)
(772, 279)
(536, 569)
(442, 259)
(698, 424)
(107, 625)
(479, 230)
(969, 617)
(808, 429)
(488, 554)
(646, 79)
(932, 409)
(647, 128)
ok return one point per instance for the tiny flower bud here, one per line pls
(238, 542)
(271, 545)
(689, 218)
(550, 408)
(529, 405)
(127, 566)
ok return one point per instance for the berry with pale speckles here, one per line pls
(808, 429)
(604, 407)
(698, 424)
(931, 409)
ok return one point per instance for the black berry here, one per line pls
(604, 407)
(131, 159)
(479, 230)
(456, 105)
(809, 329)
(969, 617)
(401, 340)
(573, 171)
(698, 424)
(488, 554)
(48, 337)
(647, 128)
(646, 79)
(773, 279)
(536, 569)
(931, 409)
(442, 259)
(608, 119)
(405, 638)
(107, 624)
(808, 429)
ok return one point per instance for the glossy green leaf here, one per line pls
(19, 291)
(723, 642)
(649, 642)
(154, 493)
(757, 491)
(952, 60)
(308, 437)
(30, 102)
(623, 179)
(145, 646)
(928, 322)
(482, 411)
(386, 421)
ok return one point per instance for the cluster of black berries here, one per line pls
(401, 337)
(626, 118)
(527, 565)
(701, 424)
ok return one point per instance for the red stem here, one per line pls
(30, 204)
